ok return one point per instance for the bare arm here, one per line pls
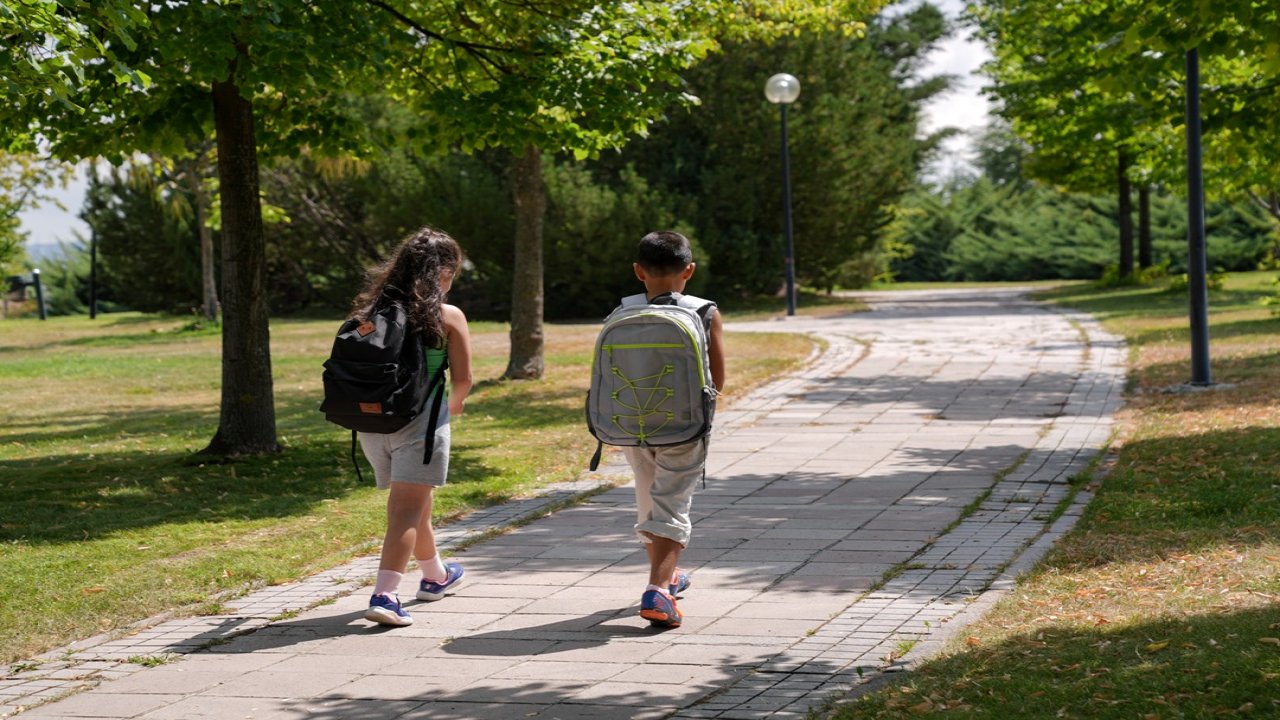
(715, 350)
(459, 348)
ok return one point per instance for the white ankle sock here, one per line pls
(388, 582)
(433, 569)
(659, 588)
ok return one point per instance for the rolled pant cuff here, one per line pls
(666, 530)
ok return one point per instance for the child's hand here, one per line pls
(458, 406)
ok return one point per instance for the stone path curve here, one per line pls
(865, 507)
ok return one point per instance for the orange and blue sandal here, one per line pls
(660, 609)
(680, 582)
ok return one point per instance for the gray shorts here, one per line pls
(397, 456)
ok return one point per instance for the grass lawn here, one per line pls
(1164, 602)
(105, 519)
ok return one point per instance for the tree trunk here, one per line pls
(1125, 212)
(247, 424)
(208, 277)
(530, 195)
(1145, 257)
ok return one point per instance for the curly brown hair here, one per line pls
(411, 276)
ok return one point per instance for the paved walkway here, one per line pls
(866, 506)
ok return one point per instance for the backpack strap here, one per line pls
(633, 300)
(702, 306)
(595, 459)
(353, 457)
(437, 389)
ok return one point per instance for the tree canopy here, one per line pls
(111, 78)
(1076, 78)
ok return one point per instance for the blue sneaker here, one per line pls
(432, 591)
(385, 610)
(680, 582)
(660, 609)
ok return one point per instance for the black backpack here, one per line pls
(375, 379)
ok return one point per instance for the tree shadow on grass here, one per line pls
(1262, 368)
(1217, 331)
(92, 496)
(130, 340)
(1183, 494)
(1189, 666)
(1151, 302)
(93, 493)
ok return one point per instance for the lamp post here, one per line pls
(782, 90)
(1197, 263)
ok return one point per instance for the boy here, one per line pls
(666, 476)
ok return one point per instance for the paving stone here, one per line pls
(818, 484)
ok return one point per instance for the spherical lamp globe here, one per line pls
(782, 88)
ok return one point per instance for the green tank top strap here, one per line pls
(435, 358)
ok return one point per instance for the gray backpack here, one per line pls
(650, 376)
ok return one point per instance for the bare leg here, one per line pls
(424, 547)
(664, 553)
(407, 504)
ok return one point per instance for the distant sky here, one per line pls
(48, 224)
(962, 108)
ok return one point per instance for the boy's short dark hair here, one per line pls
(664, 252)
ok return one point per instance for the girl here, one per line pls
(418, 274)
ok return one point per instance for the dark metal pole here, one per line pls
(1125, 213)
(786, 213)
(35, 279)
(1197, 260)
(1144, 227)
(93, 277)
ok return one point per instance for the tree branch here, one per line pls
(480, 51)
(1270, 203)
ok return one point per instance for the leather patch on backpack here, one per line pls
(371, 408)
(365, 328)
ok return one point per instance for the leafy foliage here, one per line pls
(280, 76)
(1082, 79)
(65, 277)
(853, 148)
(594, 228)
(149, 254)
(978, 231)
(49, 44)
(853, 151)
(345, 216)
